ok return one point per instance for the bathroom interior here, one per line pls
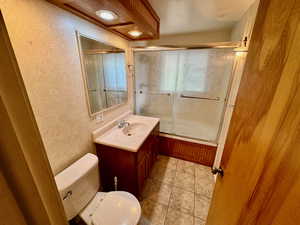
(122, 110)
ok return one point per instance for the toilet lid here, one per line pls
(117, 208)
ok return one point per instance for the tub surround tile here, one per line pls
(182, 200)
(202, 204)
(178, 218)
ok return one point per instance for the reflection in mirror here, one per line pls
(105, 74)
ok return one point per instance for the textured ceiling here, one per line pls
(185, 16)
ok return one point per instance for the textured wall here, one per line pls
(44, 41)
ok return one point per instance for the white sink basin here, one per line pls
(129, 138)
(134, 128)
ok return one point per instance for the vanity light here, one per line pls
(135, 33)
(106, 15)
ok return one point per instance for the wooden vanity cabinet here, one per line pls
(130, 168)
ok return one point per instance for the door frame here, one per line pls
(24, 163)
(261, 155)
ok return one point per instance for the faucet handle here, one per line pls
(120, 123)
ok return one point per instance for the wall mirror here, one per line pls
(104, 69)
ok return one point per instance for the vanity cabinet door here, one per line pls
(130, 168)
(141, 174)
(147, 155)
(144, 149)
(143, 161)
(154, 144)
(117, 163)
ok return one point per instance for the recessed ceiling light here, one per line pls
(106, 15)
(135, 33)
(152, 47)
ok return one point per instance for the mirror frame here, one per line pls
(84, 74)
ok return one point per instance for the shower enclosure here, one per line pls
(186, 89)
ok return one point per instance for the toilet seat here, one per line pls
(117, 208)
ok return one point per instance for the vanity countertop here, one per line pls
(129, 138)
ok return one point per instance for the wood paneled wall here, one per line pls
(199, 153)
(261, 158)
(131, 15)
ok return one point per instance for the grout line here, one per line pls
(172, 188)
(194, 192)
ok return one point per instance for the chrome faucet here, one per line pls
(123, 123)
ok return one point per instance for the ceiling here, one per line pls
(186, 16)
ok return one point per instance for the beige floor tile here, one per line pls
(185, 181)
(163, 174)
(175, 217)
(202, 171)
(182, 200)
(165, 161)
(204, 185)
(202, 204)
(177, 192)
(198, 221)
(157, 191)
(153, 213)
(186, 167)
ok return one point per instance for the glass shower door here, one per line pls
(156, 77)
(203, 79)
(186, 89)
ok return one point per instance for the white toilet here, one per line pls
(78, 187)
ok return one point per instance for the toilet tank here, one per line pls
(78, 184)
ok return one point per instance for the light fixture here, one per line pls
(240, 49)
(135, 33)
(152, 47)
(106, 15)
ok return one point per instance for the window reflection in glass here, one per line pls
(105, 74)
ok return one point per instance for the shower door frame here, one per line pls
(220, 45)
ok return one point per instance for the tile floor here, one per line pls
(177, 192)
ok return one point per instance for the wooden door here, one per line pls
(261, 160)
